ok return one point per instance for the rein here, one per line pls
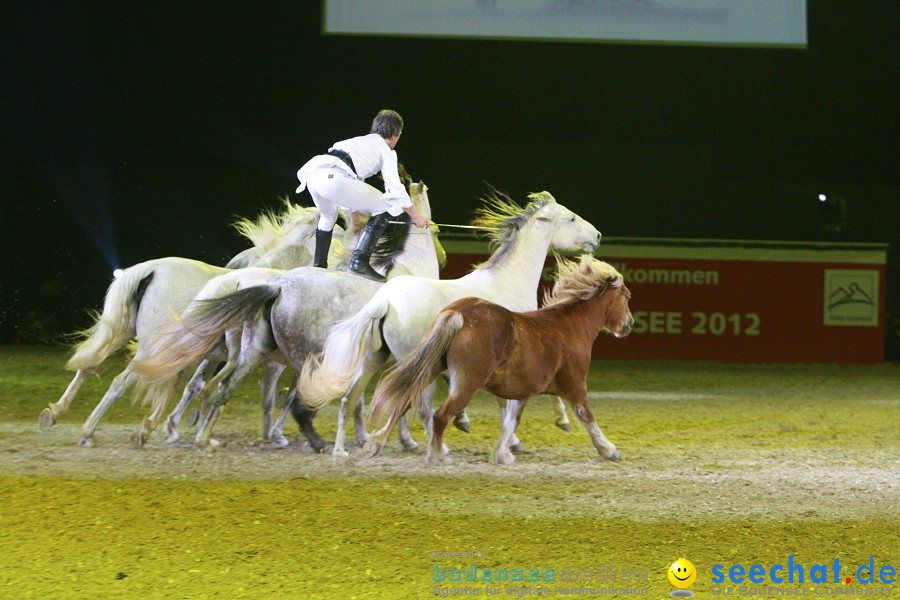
(442, 225)
(445, 225)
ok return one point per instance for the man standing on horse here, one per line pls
(338, 178)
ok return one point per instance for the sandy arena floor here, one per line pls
(722, 465)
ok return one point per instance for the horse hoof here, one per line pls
(193, 417)
(372, 448)
(86, 442)
(461, 425)
(279, 441)
(213, 443)
(46, 419)
(339, 454)
(362, 439)
(410, 446)
(504, 459)
(207, 446)
(615, 455)
(516, 449)
(173, 437)
(439, 461)
(564, 425)
(137, 440)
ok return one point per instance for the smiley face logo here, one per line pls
(682, 573)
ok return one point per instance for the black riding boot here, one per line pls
(359, 264)
(323, 244)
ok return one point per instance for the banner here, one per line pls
(738, 301)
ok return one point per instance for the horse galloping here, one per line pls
(512, 355)
(142, 301)
(396, 318)
(284, 319)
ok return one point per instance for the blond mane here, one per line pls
(266, 232)
(501, 219)
(581, 279)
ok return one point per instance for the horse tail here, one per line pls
(330, 374)
(203, 323)
(115, 324)
(403, 386)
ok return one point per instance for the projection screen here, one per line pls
(759, 23)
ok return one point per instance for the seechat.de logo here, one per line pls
(794, 572)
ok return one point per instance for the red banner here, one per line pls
(740, 301)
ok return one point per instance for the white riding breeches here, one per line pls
(331, 188)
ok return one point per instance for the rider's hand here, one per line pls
(420, 221)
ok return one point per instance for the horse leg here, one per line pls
(562, 417)
(378, 438)
(49, 416)
(583, 411)
(510, 420)
(461, 421)
(460, 395)
(426, 415)
(115, 391)
(338, 451)
(304, 417)
(350, 400)
(191, 390)
(250, 358)
(359, 419)
(148, 427)
(205, 424)
(256, 345)
(268, 385)
(515, 446)
(276, 434)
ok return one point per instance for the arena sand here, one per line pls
(721, 465)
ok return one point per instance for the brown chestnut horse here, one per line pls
(512, 355)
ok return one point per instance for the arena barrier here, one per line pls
(737, 300)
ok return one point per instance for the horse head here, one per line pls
(405, 244)
(568, 231)
(418, 192)
(618, 314)
(591, 279)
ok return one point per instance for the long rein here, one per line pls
(441, 225)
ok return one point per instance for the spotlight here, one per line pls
(118, 273)
(832, 209)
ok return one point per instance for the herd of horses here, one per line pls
(201, 329)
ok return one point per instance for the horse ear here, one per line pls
(544, 196)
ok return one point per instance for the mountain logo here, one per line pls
(851, 298)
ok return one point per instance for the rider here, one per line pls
(337, 178)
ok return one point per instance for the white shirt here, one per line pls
(370, 154)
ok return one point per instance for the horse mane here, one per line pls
(581, 279)
(501, 219)
(270, 227)
(295, 215)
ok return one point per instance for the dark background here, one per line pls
(136, 130)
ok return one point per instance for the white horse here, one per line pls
(144, 299)
(284, 319)
(401, 311)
